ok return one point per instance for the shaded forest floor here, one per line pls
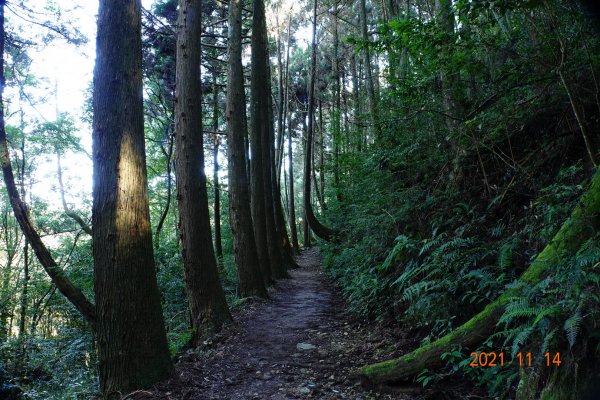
(299, 344)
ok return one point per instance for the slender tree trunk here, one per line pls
(450, 87)
(371, 95)
(337, 112)
(217, 199)
(320, 230)
(288, 114)
(7, 271)
(24, 292)
(132, 343)
(206, 297)
(404, 54)
(280, 108)
(305, 228)
(357, 105)
(163, 216)
(68, 212)
(250, 279)
(25, 288)
(321, 185)
(577, 111)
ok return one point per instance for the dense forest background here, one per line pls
(433, 149)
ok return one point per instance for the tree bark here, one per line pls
(319, 229)
(132, 343)
(283, 244)
(206, 297)
(21, 212)
(280, 108)
(262, 142)
(217, 194)
(250, 280)
(163, 216)
(292, 201)
(583, 223)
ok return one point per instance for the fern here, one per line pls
(418, 289)
(548, 340)
(519, 309)
(572, 326)
(520, 339)
(433, 242)
(505, 256)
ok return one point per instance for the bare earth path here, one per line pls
(299, 344)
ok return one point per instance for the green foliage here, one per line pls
(476, 172)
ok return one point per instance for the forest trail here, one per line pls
(299, 344)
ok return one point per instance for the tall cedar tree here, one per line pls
(132, 344)
(258, 109)
(262, 151)
(207, 299)
(244, 245)
(319, 229)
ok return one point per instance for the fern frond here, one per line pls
(572, 326)
(417, 290)
(520, 339)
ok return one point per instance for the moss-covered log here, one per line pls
(581, 225)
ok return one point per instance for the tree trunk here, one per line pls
(206, 298)
(250, 280)
(282, 242)
(169, 155)
(450, 86)
(319, 229)
(583, 223)
(26, 277)
(320, 187)
(21, 212)
(132, 344)
(280, 108)
(24, 292)
(292, 201)
(373, 101)
(68, 212)
(357, 141)
(262, 140)
(217, 198)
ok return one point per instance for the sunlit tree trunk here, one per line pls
(132, 344)
(206, 297)
(250, 279)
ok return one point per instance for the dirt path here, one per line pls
(300, 344)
